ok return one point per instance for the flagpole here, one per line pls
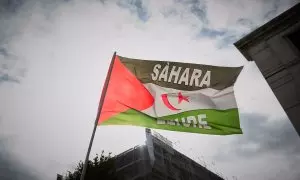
(97, 117)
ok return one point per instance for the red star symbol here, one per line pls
(182, 98)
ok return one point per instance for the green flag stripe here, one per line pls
(226, 118)
(229, 125)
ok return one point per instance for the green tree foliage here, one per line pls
(101, 167)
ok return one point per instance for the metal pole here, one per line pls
(97, 117)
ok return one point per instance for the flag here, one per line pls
(171, 96)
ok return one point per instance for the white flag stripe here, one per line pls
(201, 99)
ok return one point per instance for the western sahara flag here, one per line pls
(171, 96)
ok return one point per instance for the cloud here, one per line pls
(137, 7)
(196, 7)
(246, 22)
(59, 51)
(276, 136)
(237, 19)
(272, 144)
(3, 52)
(7, 78)
(10, 168)
(10, 5)
(8, 70)
(207, 32)
(223, 20)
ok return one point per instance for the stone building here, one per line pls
(275, 48)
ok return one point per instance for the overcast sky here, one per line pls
(54, 57)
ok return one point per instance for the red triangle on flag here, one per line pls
(124, 92)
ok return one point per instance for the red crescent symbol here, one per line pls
(166, 101)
